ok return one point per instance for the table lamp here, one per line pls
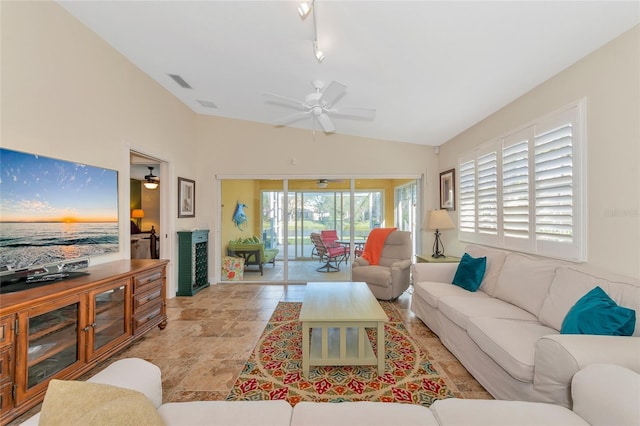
(437, 220)
(137, 214)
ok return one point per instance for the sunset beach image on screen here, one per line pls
(53, 210)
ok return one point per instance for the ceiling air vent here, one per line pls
(180, 81)
(207, 104)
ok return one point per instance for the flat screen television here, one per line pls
(54, 214)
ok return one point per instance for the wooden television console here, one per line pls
(63, 329)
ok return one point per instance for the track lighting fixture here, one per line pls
(304, 10)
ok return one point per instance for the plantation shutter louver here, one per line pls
(553, 184)
(487, 193)
(515, 190)
(467, 197)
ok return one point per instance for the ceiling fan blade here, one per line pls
(284, 100)
(333, 92)
(354, 112)
(292, 118)
(326, 123)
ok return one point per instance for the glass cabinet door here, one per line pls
(107, 316)
(53, 342)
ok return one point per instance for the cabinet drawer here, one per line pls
(5, 364)
(6, 336)
(5, 397)
(141, 300)
(147, 280)
(152, 313)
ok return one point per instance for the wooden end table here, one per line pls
(426, 258)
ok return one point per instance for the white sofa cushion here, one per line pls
(495, 260)
(460, 308)
(431, 292)
(570, 284)
(525, 281)
(364, 413)
(466, 412)
(510, 343)
(227, 413)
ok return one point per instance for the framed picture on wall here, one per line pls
(448, 190)
(186, 197)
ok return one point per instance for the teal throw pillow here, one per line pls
(470, 272)
(597, 313)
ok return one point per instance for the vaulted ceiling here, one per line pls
(431, 69)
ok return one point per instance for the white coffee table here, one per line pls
(334, 317)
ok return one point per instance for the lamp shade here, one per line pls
(137, 213)
(438, 219)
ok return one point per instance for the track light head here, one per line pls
(317, 52)
(305, 8)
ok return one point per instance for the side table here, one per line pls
(426, 258)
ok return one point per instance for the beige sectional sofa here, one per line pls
(594, 405)
(507, 333)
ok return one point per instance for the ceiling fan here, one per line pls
(151, 181)
(320, 105)
(323, 183)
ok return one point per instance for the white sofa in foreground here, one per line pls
(506, 333)
(613, 400)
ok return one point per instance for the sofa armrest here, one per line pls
(558, 357)
(607, 394)
(438, 272)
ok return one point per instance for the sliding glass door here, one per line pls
(281, 216)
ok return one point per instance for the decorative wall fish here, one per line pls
(239, 217)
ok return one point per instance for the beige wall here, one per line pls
(67, 94)
(609, 79)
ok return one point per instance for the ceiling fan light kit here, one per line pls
(150, 180)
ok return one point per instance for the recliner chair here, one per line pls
(391, 277)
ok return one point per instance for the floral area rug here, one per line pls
(274, 369)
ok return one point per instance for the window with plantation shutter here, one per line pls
(528, 193)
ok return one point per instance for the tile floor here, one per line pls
(209, 337)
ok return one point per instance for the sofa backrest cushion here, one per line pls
(524, 281)
(495, 260)
(571, 283)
